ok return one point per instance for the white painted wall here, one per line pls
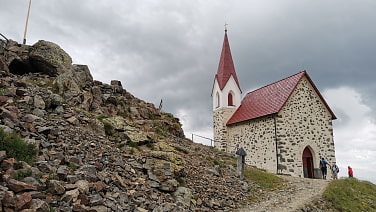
(231, 86)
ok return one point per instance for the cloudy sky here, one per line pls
(169, 49)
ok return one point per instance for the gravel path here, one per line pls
(299, 191)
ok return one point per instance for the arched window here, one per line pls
(217, 99)
(229, 100)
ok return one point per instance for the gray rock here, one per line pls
(39, 102)
(49, 58)
(39, 205)
(3, 155)
(100, 209)
(56, 187)
(31, 118)
(62, 172)
(169, 185)
(82, 186)
(39, 112)
(56, 100)
(95, 200)
(70, 196)
(183, 195)
(32, 181)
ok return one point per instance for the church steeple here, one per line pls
(226, 95)
(226, 89)
(226, 67)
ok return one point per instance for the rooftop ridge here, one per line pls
(304, 71)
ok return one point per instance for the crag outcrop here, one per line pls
(99, 147)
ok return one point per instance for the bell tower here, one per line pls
(226, 94)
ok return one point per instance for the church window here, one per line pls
(230, 101)
(217, 99)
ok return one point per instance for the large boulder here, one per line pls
(48, 58)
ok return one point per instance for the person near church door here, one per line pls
(323, 167)
(335, 171)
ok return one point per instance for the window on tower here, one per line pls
(229, 99)
(217, 100)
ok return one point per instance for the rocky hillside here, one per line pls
(98, 147)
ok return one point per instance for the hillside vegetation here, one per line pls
(348, 195)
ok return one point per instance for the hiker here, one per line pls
(335, 171)
(350, 171)
(323, 168)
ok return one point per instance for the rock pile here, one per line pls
(99, 147)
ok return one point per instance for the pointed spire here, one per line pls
(226, 67)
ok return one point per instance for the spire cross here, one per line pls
(226, 27)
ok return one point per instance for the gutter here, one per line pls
(276, 142)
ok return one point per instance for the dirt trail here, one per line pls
(299, 191)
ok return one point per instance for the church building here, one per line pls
(284, 127)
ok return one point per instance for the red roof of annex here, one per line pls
(270, 99)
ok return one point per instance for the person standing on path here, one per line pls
(350, 171)
(335, 171)
(323, 168)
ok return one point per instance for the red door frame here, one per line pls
(308, 162)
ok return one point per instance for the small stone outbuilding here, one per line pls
(284, 127)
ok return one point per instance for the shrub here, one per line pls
(20, 175)
(101, 117)
(185, 151)
(17, 148)
(108, 128)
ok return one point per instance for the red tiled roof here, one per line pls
(270, 99)
(226, 66)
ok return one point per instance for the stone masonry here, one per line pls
(303, 122)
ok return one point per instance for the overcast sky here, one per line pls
(169, 49)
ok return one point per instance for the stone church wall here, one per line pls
(257, 138)
(304, 121)
(220, 117)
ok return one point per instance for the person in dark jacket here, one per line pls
(323, 168)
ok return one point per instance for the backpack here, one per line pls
(321, 164)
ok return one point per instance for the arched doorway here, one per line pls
(308, 163)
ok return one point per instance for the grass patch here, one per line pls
(108, 128)
(101, 117)
(20, 175)
(216, 162)
(181, 181)
(185, 151)
(150, 145)
(72, 167)
(120, 145)
(17, 148)
(133, 144)
(264, 180)
(351, 195)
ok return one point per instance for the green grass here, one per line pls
(180, 149)
(264, 180)
(17, 148)
(351, 195)
(108, 128)
(101, 117)
(20, 175)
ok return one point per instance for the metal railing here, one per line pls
(211, 140)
